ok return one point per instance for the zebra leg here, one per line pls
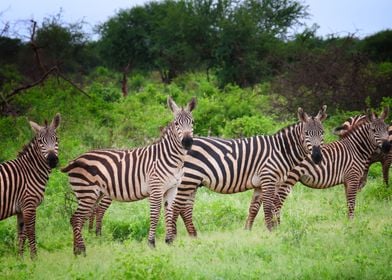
(168, 199)
(176, 213)
(100, 212)
(29, 215)
(155, 208)
(280, 196)
(21, 233)
(386, 164)
(254, 208)
(186, 216)
(92, 218)
(83, 211)
(363, 180)
(267, 198)
(351, 189)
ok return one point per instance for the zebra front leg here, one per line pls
(21, 233)
(29, 215)
(268, 204)
(254, 208)
(85, 205)
(155, 208)
(386, 164)
(280, 196)
(168, 198)
(351, 189)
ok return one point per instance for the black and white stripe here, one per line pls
(237, 165)
(344, 162)
(153, 171)
(23, 181)
(384, 158)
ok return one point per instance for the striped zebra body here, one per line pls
(232, 166)
(384, 158)
(23, 181)
(344, 162)
(153, 171)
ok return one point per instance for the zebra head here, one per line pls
(183, 122)
(313, 132)
(47, 140)
(379, 130)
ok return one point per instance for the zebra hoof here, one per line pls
(169, 241)
(151, 243)
(80, 250)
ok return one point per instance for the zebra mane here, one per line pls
(354, 128)
(26, 147)
(288, 127)
(162, 132)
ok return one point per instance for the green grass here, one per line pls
(314, 241)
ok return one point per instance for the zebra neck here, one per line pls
(290, 144)
(171, 146)
(33, 159)
(359, 140)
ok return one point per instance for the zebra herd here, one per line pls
(170, 170)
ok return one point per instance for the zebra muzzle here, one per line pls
(316, 154)
(52, 160)
(187, 142)
(386, 146)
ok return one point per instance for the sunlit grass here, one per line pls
(314, 241)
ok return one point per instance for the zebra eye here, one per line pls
(176, 123)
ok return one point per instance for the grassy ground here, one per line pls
(314, 241)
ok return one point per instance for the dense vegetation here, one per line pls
(249, 76)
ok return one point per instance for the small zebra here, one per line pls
(344, 162)
(153, 171)
(235, 165)
(23, 181)
(384, 158)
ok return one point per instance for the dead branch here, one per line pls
(35, 47)
(124, 82)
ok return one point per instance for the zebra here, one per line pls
(153, 171)
(344, 162)
(23, 181)
(384, 158)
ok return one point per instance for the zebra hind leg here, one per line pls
(83, 211)
(100, 212)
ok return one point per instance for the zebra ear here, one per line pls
(321, 114)
(56, 121)
(302, 116)
(36, 127)
(370, 115)
(191, 104)
(172, 105)
(384, 113)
